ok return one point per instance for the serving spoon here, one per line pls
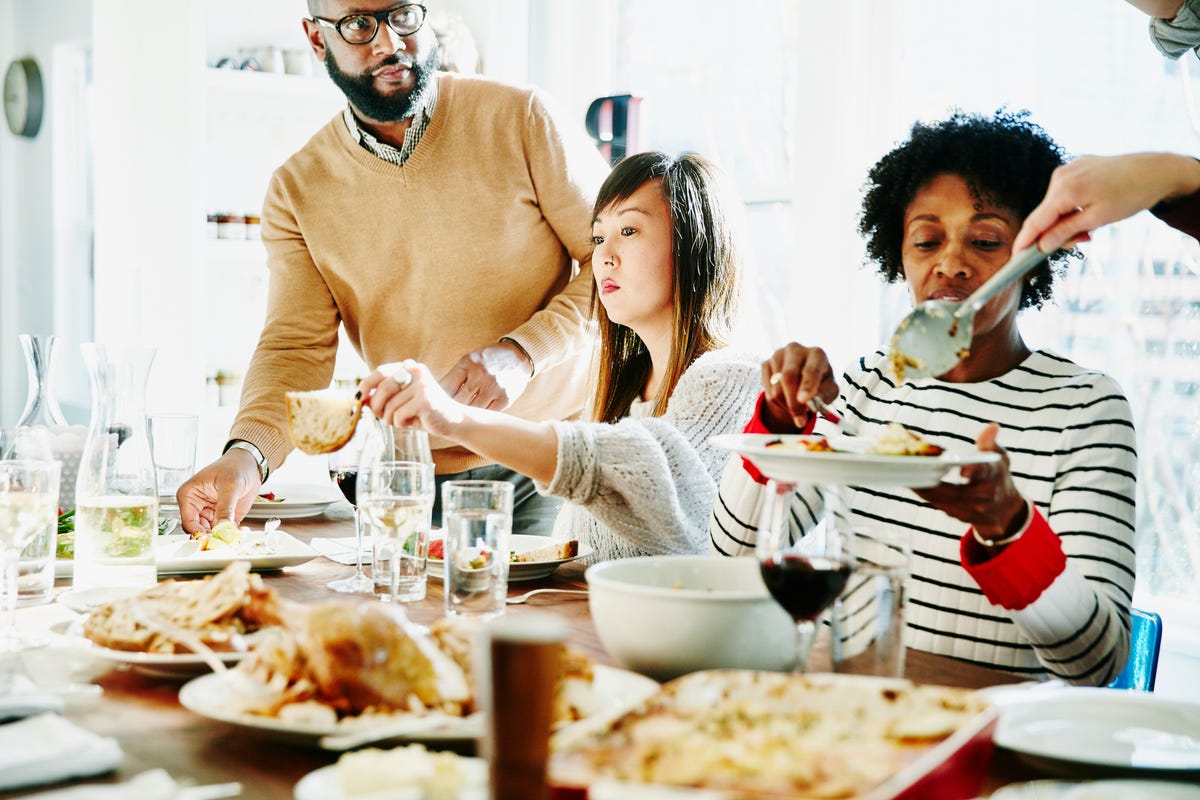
(936, 335)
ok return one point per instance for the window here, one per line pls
(796, 101)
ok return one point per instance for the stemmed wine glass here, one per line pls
(343, 471)
(804, 570)
(28, 505)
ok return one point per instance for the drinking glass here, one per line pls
(804, 571)
(391, 443)
(397, 498)
(28, 505)
(35, 568)
(344, 467)
(476, 521)
(173, 445)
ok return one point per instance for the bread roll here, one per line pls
(322, 421)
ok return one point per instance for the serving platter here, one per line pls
(848, 465)
(215, 696)
(1081, 732)
(519, 571)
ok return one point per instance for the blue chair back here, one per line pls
(1145, 639)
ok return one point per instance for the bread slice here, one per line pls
(555, 551)
(322, 421)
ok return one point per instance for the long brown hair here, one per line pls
(706, 257)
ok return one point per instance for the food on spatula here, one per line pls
(322, 421)
(219, 610)
(769, 734)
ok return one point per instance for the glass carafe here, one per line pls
(116, 516)
(42, 412)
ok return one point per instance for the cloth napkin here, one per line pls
(154, 784)
(20, 698)
(48, 748)
(341, 550)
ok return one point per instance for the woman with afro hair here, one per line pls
(1027, 564)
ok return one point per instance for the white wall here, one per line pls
(30, 28)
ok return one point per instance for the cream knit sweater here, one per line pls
(646, 485)
(485, 232)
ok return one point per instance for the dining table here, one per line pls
(154, 730)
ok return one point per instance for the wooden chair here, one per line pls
(1144, 642)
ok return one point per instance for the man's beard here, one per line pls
(361, 92)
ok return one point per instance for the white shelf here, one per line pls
(269, 83)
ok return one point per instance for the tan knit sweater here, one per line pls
(484, 232)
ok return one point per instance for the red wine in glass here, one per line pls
(804, 586)
(347, 481)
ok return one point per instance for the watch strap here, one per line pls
(264, 469)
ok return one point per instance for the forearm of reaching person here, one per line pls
(1159, 9)
(530, 448)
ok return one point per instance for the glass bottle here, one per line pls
(116, 516)
(41, 406)
(42, 412)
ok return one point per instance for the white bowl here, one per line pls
(665, 616)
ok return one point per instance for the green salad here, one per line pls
(65, 542)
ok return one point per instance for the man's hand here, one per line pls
(989, 501)
(225, 489)
(491, 377)
(790, 378)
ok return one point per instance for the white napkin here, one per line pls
(21, 697)
(48, 748)
(341, 550)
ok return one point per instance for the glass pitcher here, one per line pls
(116, 516)
(42, 413)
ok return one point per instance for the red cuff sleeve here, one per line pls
(1019, 574)
(757, 424)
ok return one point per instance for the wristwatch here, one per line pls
(264, 469)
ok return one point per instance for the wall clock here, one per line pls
(24, 97)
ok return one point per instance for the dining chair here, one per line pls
(1145, 639)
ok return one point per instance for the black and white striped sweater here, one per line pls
(1069, 434)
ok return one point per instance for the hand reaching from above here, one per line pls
(988, 501)
(1093, 191)
(790, 377)
(225, 489)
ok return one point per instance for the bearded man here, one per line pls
(440, 217)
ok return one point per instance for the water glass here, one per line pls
(867, 621)
(173, 444)
(396, 498)
(476, 522)
(35, 568)
(28, 505)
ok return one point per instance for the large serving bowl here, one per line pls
(665, 616)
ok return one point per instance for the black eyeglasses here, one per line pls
(405, 20)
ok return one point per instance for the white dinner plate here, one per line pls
(294, 505)
(326, 784)
(797, 465)
(176, 554)
(521, 570)
(1072, 731)
(215, 696)
(1098, 790)
(177, 666)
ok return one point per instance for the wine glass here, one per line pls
(804, 570)
(28, 505)
(344, 466)
(388, 443)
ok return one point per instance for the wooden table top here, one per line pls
(154, 730)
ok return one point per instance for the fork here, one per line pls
(822, 409)
(521, 598)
